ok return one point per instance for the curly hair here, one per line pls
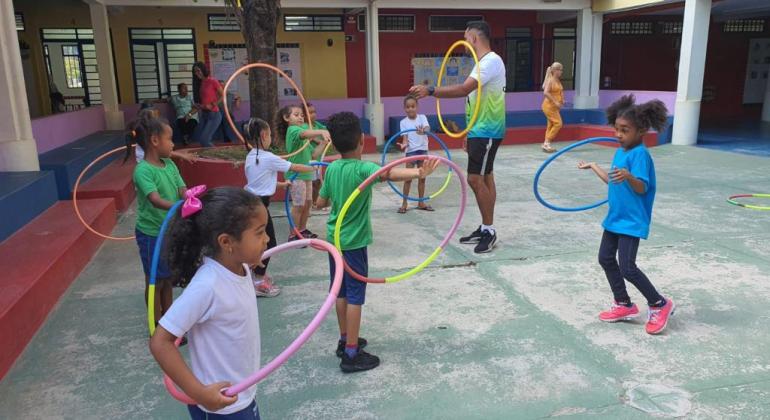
(281, 125)
(142, 129)
(345, 131)
(652, 114)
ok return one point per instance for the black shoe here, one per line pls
(307, 234)
(363, 361)
(487, 242)
(473, 238)
(341, 346)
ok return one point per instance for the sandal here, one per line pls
(547, 148)
(425, 208)
(401, 210)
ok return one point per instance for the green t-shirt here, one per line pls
(294, 142)
(342, 177)
(166, 182)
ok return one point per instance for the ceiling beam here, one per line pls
(383, 4)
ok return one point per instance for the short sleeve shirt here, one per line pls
(182, 106)
(416, 141)
(630, 213)
(490, 123)
(209, 89)
(262, 177)
(342, 177)
(294, 142)
(149, 178)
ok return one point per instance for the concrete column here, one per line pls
(100, 22)
(18, 150)
(596, 59)
(589, 54)
(766, 104)
(692, 64)
(373, 109)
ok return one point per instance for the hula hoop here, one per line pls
(732, 198)
(293, 85)
(286, 353)
(75, 198)
(551, 159)
(448, 175)
(292, 226)
(338, 227)
(478, 96)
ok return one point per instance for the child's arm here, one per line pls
(182, 191)
(406, 174)
(321, 202)
(187, 157)
(170, 360)
(319, 149)
(622, 174)
(158, 202)
(404, 142)
(297, 167)
(601, 173)
(312, 134)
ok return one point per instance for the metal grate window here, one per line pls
(518, 33)
(19, 21)
(313, 23)
(161, 34)
(744, 25)
(70, 34)
(453, 23)
(631, 28)
(390, 23)
(71, 57)
(223, 23)
(564, 32)
(670, 28)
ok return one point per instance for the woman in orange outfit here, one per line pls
(553, 100)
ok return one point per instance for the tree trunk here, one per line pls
(259, 23)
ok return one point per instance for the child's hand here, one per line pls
(212, 397)
(421, 130)
(326, 136)
(619, 175)
(283, 184)
(402, 145)
(428, 167)
(585, 165)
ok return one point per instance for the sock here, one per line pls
(627, 304)
(659, 304)
(343, 337)
(351, 351)
(489, 228)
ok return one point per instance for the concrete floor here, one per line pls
(510, 334)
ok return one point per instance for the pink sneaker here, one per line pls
(657, 318)
(619, 313)
(265, 287)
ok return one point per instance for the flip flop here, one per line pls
(401, 210)
(426, 208)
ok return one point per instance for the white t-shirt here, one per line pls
(139, 153)
(416, 141)
(262, 177)
(218, 311)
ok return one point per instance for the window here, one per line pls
(744, 25)
(71, 57)
(47, 56)
(564, 32)
(390, 23)
(670, 28)
(223, 23)
(456, 23)
(316, 23)
(67, 34)
(631, 28)
(19, 21)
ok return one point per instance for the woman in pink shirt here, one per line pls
(207, 92)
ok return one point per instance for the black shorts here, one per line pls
(481, 155)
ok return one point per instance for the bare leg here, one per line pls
(353, 320)
(342, 305)
(485, 199)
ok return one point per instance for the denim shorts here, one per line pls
(417, 153)
(249, 413)
(146, 249)
(353, 290)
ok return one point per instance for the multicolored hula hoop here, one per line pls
(345, 207)
(551, 159)
(732, 198)
(292, 226)
(286, 353)
(478, 95)
(443, 146)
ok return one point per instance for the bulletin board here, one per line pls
(225, 60)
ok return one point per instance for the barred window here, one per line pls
(631, 28)
(223, 23)
(744, 25)
(390, 23)
(454, 23)
(314, 23)
(670, 28)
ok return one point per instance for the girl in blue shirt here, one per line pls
(631, 192)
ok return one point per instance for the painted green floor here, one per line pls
(511, 334)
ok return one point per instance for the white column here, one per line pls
(766, 104)
(100, 22)
(374, 110)
(588, 54)
(692, 64)
(18, 150)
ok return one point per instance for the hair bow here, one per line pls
(192, 204)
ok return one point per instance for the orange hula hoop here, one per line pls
(291, 82)
(75, 197)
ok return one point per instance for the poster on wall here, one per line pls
(225, 61)
(425, 70)
(757, 71)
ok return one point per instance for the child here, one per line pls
(415, 143)
(342, 177)
(213, 248)
(262, 169)
(158, 185)
(149, 112)
(293, 133)
(631, 194)
(312, 123)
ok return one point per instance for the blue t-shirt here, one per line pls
(630, 213)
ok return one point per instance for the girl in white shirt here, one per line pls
(212, 248)
(414, 143)
(262, 168)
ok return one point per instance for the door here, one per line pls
(518, 54)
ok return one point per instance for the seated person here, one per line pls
(186, 114)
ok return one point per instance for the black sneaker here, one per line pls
(486, 243)
(307, 234)
(473, 238)
(363, 361)
(341, 346)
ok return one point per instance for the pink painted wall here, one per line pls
(57, 130)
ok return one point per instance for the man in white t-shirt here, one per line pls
(486, 134)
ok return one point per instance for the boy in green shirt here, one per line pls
(342, 177)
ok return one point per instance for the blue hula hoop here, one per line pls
(551, 159)
(292, 226)
(159, 242)
(385, 154)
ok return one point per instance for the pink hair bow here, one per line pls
(192, 204)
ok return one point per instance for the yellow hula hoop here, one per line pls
(478, 96)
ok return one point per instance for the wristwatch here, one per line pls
(431, 90)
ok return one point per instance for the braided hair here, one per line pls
(253, 132)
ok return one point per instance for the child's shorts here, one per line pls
(301, 191)
(417, 163)
(146, 249)
(353, 290)
(249, 413)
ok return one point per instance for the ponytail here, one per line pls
(547, 77)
